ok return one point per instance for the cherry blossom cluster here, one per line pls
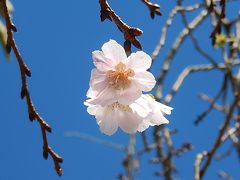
(115, 96)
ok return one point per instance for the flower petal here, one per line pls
(91, 109)
(101, 62)
(144, 80)
(140, 106)
(108, 122)
(164, 108)
(157, 118)
(129, 95)
(128, 121)
(105, 97)
(139, 61)
(144, 125)
(114, 52)
(98, 80)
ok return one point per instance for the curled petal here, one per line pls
(91, 109)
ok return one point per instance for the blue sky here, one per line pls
(56, 39)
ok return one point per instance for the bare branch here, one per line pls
(218, 141)
(191, 69)
(25, 71)
(168, 24)
(198, 160)
(179, 40)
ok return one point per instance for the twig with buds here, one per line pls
(153, 8)
(129, 32)
(25, 71)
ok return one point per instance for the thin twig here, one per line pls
(128, 161)
(168, 24)
(209, 109)
(179, 40)
(93, 139)
(153, 8)
(218, 141)
(198, 160)
(24, 70)
(224, 175)
(194, 39)
(191, 69)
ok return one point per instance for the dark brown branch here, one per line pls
(129, 32)
(153, 8)
(218, 141)
(25, 71)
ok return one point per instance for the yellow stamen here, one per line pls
(119, 106)
(118, 79)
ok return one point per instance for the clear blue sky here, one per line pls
(56, 39)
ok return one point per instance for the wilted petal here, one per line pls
(101, 62)
(144, 80)
(114, 52)
(139, 61)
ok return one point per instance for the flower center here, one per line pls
(118, 79)
(119, 106)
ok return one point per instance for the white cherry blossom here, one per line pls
(138, 116)
(156, 116)
(118, 78)
(110, 117)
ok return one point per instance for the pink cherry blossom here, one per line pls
(118, 78)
